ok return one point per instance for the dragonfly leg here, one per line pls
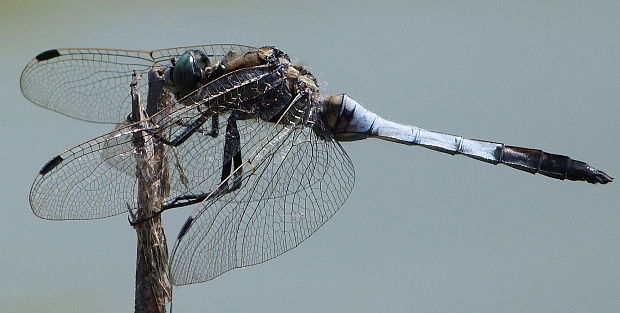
(232, 157)
(134, 220)
(232, 166)
(215, 126)
(232, 172)
(178, 202)
(188, 132)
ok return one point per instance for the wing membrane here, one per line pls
(97, 178)
(92, 84)
(293, 183)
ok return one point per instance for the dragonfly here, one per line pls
(248, 136)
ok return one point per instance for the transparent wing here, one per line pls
(293, 182)
(98, 179)
(215, 52)
(92, 84)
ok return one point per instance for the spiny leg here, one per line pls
(184, 200)
(215, 126)
(232, 170)
(232, 164)
(187, 132)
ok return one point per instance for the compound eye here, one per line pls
(186, 74)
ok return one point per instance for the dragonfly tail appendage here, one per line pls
(551, 165)
(350, 121)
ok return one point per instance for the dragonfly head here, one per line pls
(188, 72)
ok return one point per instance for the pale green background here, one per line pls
(422, 231)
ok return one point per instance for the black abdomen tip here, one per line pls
(48, 54)
(583, 171)
(599, 177)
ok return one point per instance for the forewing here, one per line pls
(293, 182)
(87, 84)
(215, 52)
(93, 84)
(98, 178)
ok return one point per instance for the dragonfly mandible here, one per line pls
(249, 137)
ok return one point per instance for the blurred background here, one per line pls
(422, 231)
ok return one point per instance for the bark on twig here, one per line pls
(153, 289)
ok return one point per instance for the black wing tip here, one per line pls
(47, 54)
(50, 165)
(185, 227)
